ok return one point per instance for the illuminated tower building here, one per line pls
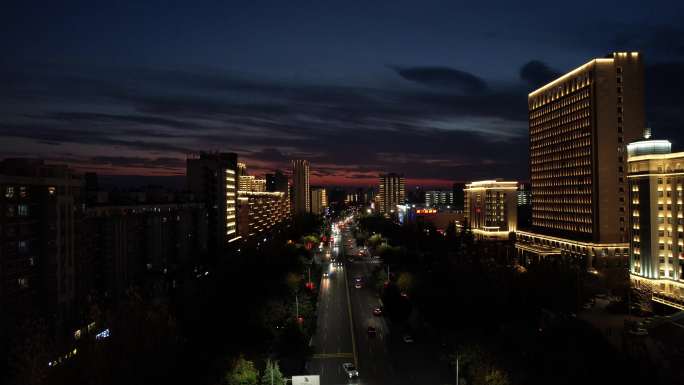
(656, 184)
(579, 126)
(213, 179)
(300, 180)
(490, 208)
(319, 200)
(391, 193)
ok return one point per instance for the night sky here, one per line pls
(436, 90)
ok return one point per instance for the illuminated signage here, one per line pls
(426, 211)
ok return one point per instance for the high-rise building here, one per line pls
(459, 196)
(39, 246)
(258, 212)
(439, 198)
(301, 202)
(580, 124)
(251, 183)
(276, 182)
(319, 200)
(392, 192)
(490, 208)
(524, 194)
(213, 179)
(656, 194)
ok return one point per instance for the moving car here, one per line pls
(350, 369)
(325, 275)
(358, 285)
(377, 311)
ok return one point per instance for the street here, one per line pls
(382, 359)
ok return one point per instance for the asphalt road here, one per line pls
(333, 343)
(383, 359)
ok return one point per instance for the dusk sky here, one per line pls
(436, 90)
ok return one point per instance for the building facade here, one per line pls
(39, 221)
(301, 195)
(656, 194)
(391, 192)
(319, 200)
(213, 179)
(439, 198)
(277, 181)
(579, 126)
(258, 212)
(490, 208)
(251, 183)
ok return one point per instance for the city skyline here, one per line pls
(411, 97)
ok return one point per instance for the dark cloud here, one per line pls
(445, 78)
(536, 73)
(162, 162)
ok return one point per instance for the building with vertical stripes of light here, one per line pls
(391, 192)
(301, 198)
(579, 126)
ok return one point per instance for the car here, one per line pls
(350, 369)
(377, 311)
(372, 332)
(358, 279)
(639, 332)
(325, 275)
(407, 338)
(358, 285)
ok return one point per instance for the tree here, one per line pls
(405, 282)
(243, 373)
(496, 377)
(272, 374)
(31, 354)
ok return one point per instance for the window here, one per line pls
(22, 247)
(22, 210)
(9, 192)
(22, 192)
(23, 282)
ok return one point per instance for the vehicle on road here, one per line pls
(639, 332)
(372, 332)
(377, 311)
(350, 369)
(407, 338)
(325, 275)
(358, 285)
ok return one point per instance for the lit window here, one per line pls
(22, 210)
(9, 192)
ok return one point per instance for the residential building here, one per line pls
(212, 177)
(319, 200)
(656, 184)
(491, 208)
(439, 198)
(301, 198)
(579, 126)
(39, 221)
(392, 192)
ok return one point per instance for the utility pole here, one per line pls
(297, 306)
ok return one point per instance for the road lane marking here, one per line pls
(351, 320)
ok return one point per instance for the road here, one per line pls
(333, 344)
(383, 359)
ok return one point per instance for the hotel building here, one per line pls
(319, 200)
(392, 192)
(490, 208)
(656, 183)
(301, 198)
(580, 124)
(213, 179)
